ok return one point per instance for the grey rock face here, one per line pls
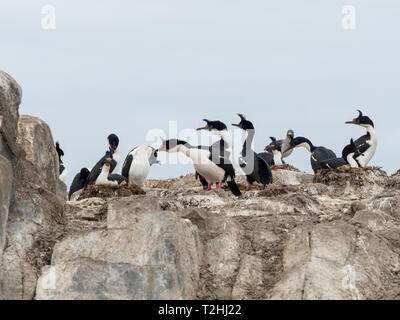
(35, 137)
(30, 211)
(336, 261)
(6, 182)
(10, 99)
(146, 254)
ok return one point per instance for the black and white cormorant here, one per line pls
(137, 164)
(79, 182)
(216, 148)
(274, 156)
(254, 166)
(284, 144)
(367, 143)
(318, 154)
(113, 141)
(213, 172)
(62, 169)
(221, 151)
(112, 153)
(349, 155)
(107, 178)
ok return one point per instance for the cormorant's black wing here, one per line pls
(95, 172)
(362, 144)
(321, 154)
(77, 184)
(220, 156)
(262, 170)
(219, 149)
(127, 165)
(117, 177)
(268, 157)
(333, 163)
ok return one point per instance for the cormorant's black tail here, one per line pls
(233, 187)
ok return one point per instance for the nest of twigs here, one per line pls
(110, 191)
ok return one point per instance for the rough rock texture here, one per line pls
(6, 182)
(34, 136)
(314, 237)
(144, 253)
(31, 212)
(10, 99)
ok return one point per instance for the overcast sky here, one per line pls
(131, 66)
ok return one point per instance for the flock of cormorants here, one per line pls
(213, 164)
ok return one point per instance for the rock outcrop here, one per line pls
(143, 253)
(301, 240)
(31, 212)
(333, 235)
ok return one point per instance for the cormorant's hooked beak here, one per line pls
(268, 148)
(206, 127)
(354, 121)
(236, 125)
(161, 147)
(108, 162)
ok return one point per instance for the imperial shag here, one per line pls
(274, 156)
(254, 166)
(137, 164)
(367, 143)
(221, 151)
(79, 182)
(112, 153)
(62, 169)
(318, 154)
(203, 163)
(107, 178)
(349, 156)
(284, 144)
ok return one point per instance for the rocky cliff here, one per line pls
(335, 235)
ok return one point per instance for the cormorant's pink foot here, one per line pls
(248, 186)
(209, 187)
(219, 185)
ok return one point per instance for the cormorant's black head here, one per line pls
(59, 150)
(361, 120)
(213, 126)
(351, 148)
(84, 173)
(274, 145)
(301, 142)
(244, 124)
(171, 145)
(113, 141)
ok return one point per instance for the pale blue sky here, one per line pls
(130, 66)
